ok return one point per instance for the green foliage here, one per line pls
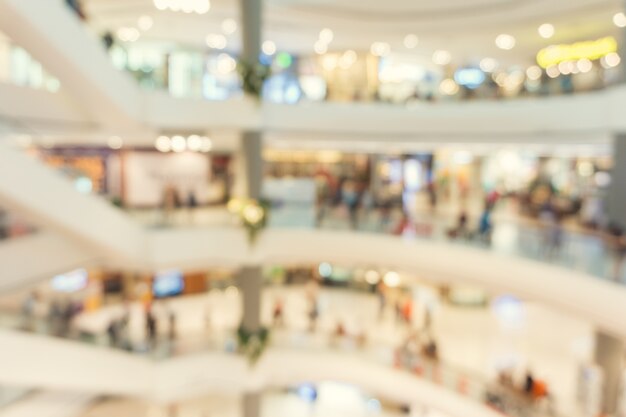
(252, 343)
(253, 76)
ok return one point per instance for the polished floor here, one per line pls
(475, 340)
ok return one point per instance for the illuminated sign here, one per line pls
(469, 77)
(592, 50)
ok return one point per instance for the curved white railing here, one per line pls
(42, 362)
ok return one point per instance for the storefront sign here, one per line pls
(592, 50)
(469, 77)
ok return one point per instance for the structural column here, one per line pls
(609, 355)
(249, 282)
(251, 172)
(616, 200)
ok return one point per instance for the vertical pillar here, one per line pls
(251, 404)
(251, 23)
(609, 354)
(250, 277)
(249, 282)
(616, 199)
(252, 155)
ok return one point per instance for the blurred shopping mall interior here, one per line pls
(299, 208)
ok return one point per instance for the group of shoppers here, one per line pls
(49, 315)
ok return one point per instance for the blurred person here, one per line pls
(492, 198)
(277, 314)
(367, 202)
(55, 316)
(151, 328)
(485, 227)
(108, 40)
(553, 232)
(428, 320)
(4, 225)
(340, 330)
(432, 195)
(505, 378)
(431, 350)
(170, 203)
(350, 197)
(29, 308)
(460, 230)
(381, 294)
(403, 225)
(398, 310)
(313, 313)
(113, 330)
(384, 206)
(529, 383)
(66, 319)
(616, 239)
(407, 310)
(192, 205)
(172, 325)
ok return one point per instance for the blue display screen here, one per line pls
(168, 283)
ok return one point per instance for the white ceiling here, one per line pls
(465, 27)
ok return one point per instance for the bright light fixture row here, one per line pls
(546, 31)
(505, 41)
(185, 6)
(216, 41)
(619, 20)
(193, 143)
(268, 48)
(325, 37)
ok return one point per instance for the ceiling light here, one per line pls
(269, 48)
(115, 142)
(566, 67)
(611, 60)
(442, 57)
(619, 20)
(163, 144)
(326, 35)
(584, 65)
(188, 6)
(534, 73)
(330, 62)
(488, 64)
(546, 31)
(501, 79)
(411, 41)
(161, 4)
(229, 26)
(202, 6)
(372, 277)
(505, 41)
(216, 41)
(553, 71)
(145, 23)
(207, 144)
(347, 59)
(380, 48)
(194, 143)
(179, 144)
(128, 34)
(449, 87)
(320, 47)
(391, 279)
(225, 63)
